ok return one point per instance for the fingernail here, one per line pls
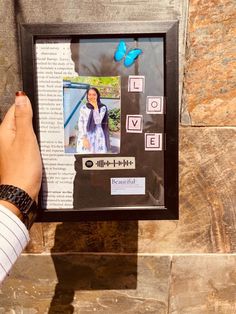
(20, 93)
(19, 101)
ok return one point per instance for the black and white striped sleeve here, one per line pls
(13, 239)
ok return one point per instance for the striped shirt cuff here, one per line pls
(13, 239)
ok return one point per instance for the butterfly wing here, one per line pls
(120, 51)
(132, 55)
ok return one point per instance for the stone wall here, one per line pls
(185, 266)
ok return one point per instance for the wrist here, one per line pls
(20, 183)
(15, 210)
(19, 202)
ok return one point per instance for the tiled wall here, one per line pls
(146, 266)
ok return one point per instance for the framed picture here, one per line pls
(105, 103)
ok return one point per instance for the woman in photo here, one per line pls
(93, 132)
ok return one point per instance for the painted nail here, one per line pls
(20, 93)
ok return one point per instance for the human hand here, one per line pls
(94, 103)
(20, 160)
(86, 143)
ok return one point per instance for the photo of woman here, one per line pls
(91, 114)
(93, 132)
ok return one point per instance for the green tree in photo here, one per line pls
(114, 119)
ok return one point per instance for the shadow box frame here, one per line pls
(168, 31)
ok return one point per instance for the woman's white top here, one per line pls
(14, 237)
(97, 138)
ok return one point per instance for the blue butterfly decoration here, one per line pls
(130, 57)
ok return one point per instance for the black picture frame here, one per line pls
(168, 30)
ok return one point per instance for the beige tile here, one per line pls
(203, 285)
(207, 197)
(87, 283)
(209, 83)
(104, 10)
(9, 61)
(36, 244)
(108, 236)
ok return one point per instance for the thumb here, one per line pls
(23, 114)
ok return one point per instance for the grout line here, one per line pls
(130, 254)
(207, 126)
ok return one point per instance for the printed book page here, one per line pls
(53, 62)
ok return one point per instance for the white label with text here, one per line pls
(128, 186)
